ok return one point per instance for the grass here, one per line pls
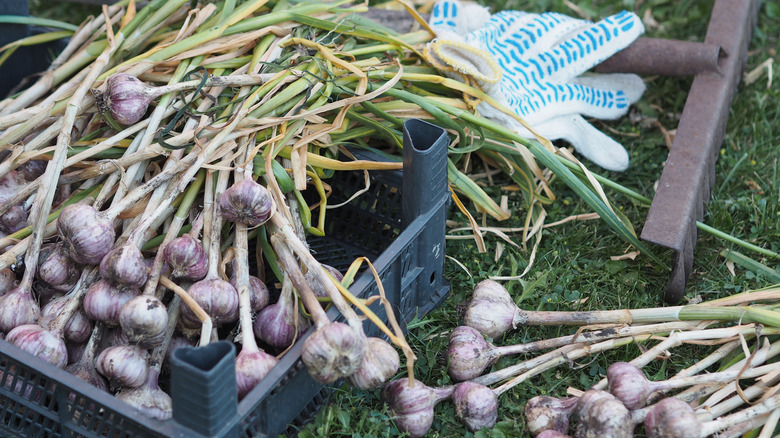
(573, 269)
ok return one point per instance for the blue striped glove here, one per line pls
(533, 64)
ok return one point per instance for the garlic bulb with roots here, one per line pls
(87, 236)
(144, 320)
(103, 302)
(148, 398)
(491, 310)
(380, 363)
(40, 342)
(125, 366)
(475, 405)
(672, 418)
(187, 258)
(548, 413)
(124, 267)
(599, 414)
(18, 308)
(412, 404)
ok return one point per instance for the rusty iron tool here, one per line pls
(686, 181)
(658, 56)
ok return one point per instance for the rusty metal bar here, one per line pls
(658, 56)
(687, 179)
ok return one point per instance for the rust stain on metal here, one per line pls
(687, 179)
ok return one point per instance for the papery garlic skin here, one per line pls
(412, 406)
(39, 342)
(251, 368)
(600, 415)
(492, 311)
(468, 354)
(629, 385)
(379, 364)
(475, 405)
(548, 413)
(86, 235)
(248, 202)
(672, 418)
(333, 351)
(124, 366)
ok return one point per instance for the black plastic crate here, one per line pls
(399, 224)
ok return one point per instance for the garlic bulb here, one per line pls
(56, 269)
(412, 406)
(103, 302)
(39, 342)
(187, 258)
(548, 413)
(86, 235)
(216, 297)
(18, 308)
(379, 364)
(672, 418)
(600, 414)
(144, 320)
(475, 405)
(148, 398)
(248, 202)
(124, 366)
(124, 267)
(78, 327)
(333, 351)
(491, 310)
(127, 98)
(252, 365)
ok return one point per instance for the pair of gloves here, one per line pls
(533, 64)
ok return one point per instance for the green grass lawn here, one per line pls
(573, 269)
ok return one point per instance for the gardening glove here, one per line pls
(533, 64)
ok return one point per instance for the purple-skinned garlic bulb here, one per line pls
(333, 351)
(56, 269)
(380, 363)
(7, 281)
(252, 365)
(84, 366)
(18, 308)
(599, 414)
(492, 311)
(187, 258)
(124, 366)
(413, 405)
(127, 98)
(124, 267)
(87, 236)
(259, 295)
(672, 418)
(475, 405)
(552, 434)
(144, 320)
(216, 297)
(148, 398)
(276, 324)
(14, 219)
(40, 342)
(548, 413)
(315, 285)
(248, 202)
(103, 302)
(78, 327)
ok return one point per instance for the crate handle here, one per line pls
(203, 389)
